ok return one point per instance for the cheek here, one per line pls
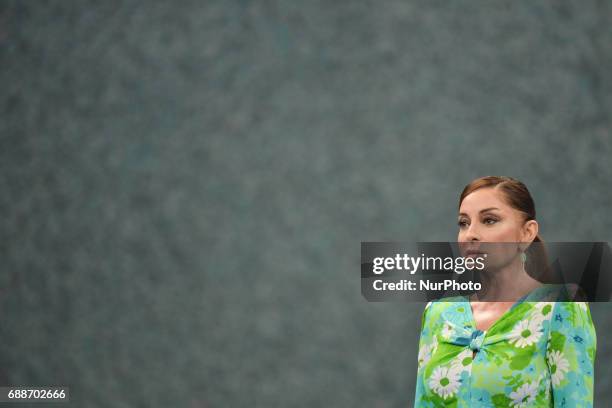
(503, 232)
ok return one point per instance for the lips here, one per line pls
(474, 252)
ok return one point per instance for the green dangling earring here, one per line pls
(524, 257)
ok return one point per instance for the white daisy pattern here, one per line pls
(463, 361)
(444, 381)
(526, 332)
(427, 351)
(524, 395)
(540, 353)
(542, 311)
(558, 366)
(447, 331)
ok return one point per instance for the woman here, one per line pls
(478, 351)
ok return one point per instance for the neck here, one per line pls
(507, 284)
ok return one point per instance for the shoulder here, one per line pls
(578, 308)
(572, 331)
(575, 293)
(572, 316)
(566, 292)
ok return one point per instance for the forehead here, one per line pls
(481, 199)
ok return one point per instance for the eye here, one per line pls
(490, 221)
(462, 223)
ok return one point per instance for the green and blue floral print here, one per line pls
(538, 354)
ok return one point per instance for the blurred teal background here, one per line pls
(185, 186)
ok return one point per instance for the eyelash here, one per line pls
(460, 223)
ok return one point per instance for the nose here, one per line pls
(472, 233)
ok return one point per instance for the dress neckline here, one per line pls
(504, 315)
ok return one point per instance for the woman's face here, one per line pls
(484, 216)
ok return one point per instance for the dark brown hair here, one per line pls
(518, 197)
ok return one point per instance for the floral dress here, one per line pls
(538, 354)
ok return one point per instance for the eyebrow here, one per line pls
(481, 211)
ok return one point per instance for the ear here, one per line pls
(529, 231)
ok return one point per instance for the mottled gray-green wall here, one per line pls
(185, 185)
